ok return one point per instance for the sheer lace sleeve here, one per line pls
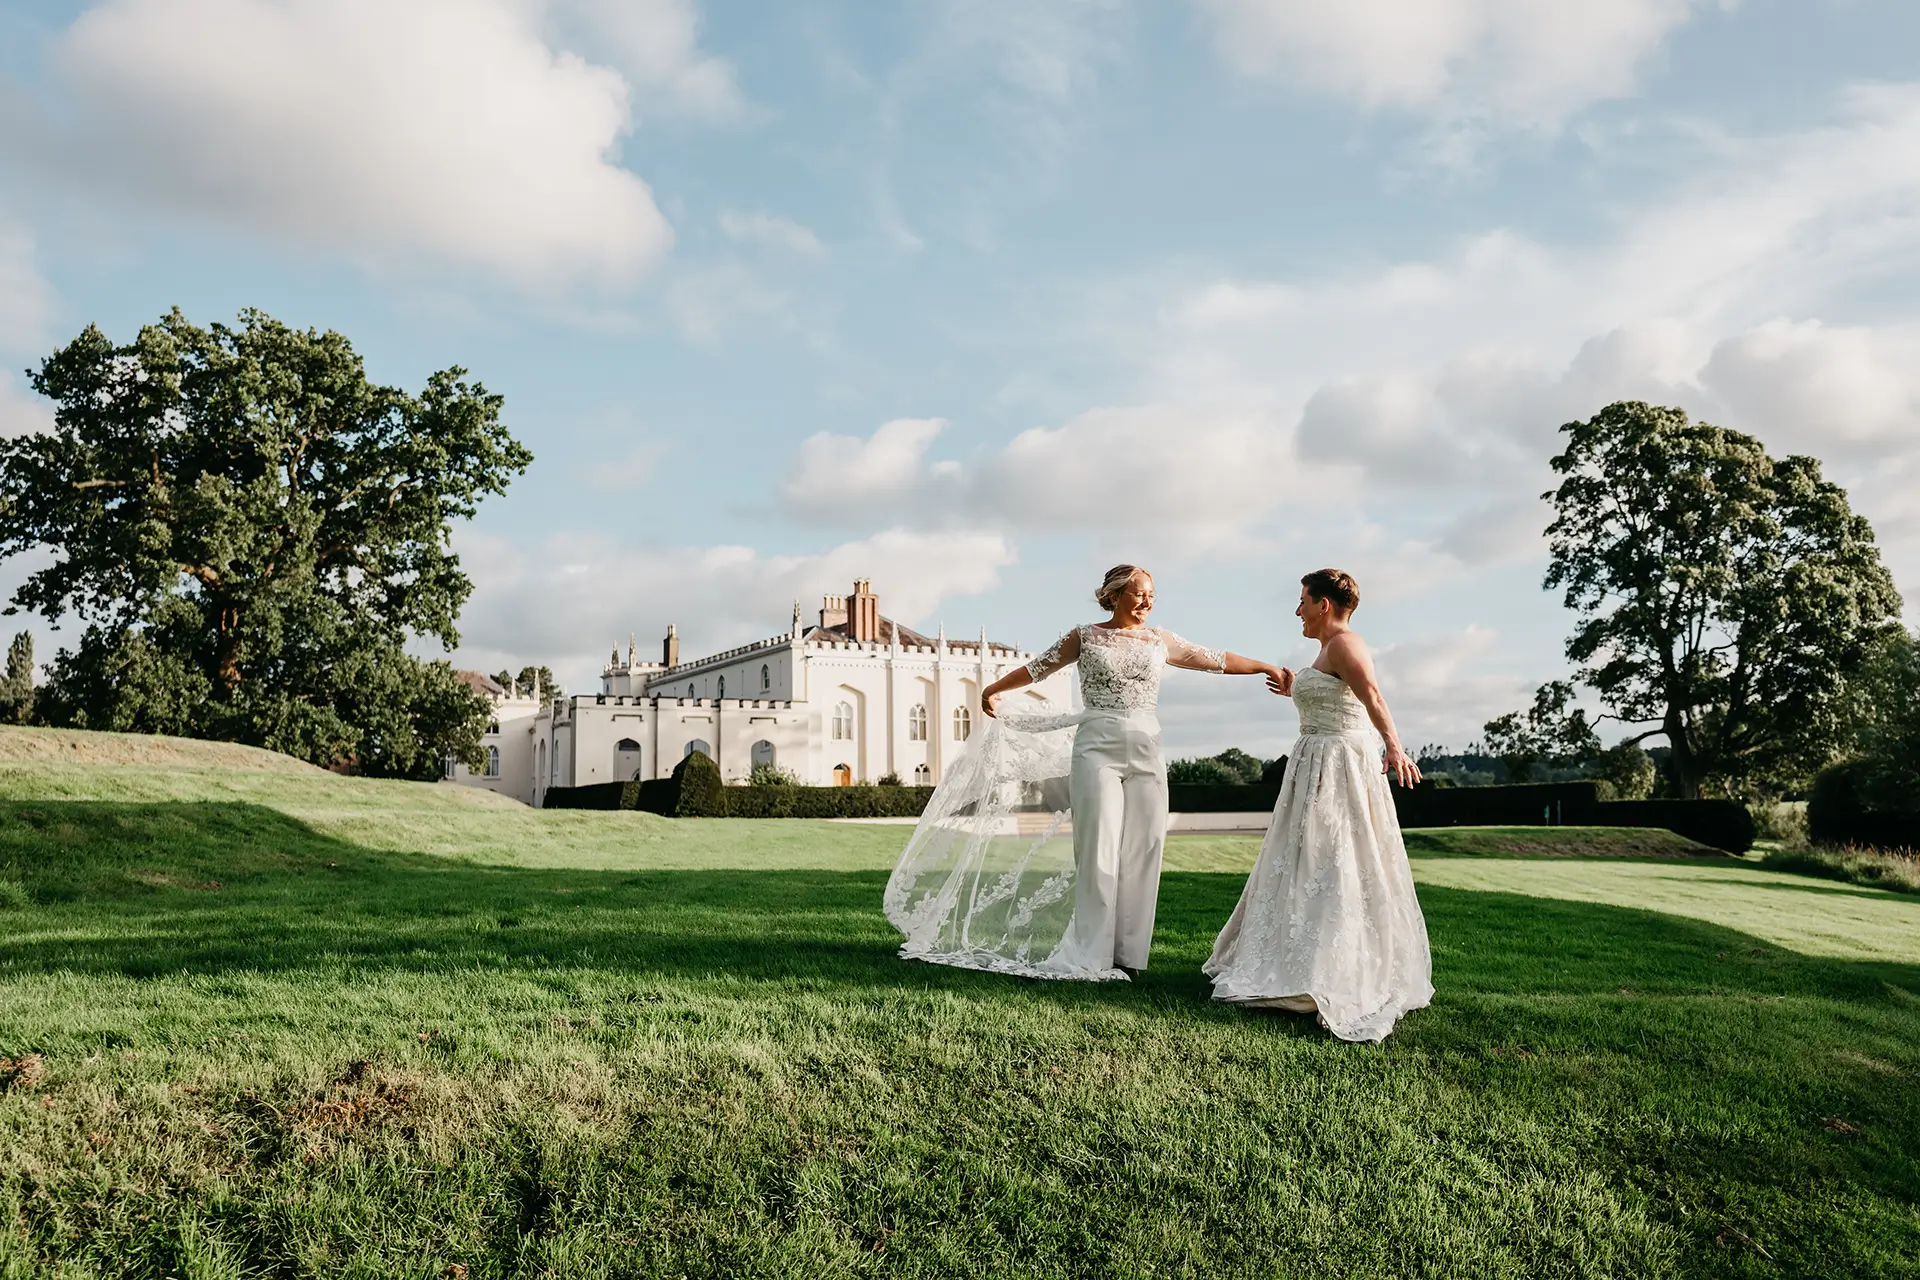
(1181, 653)
(1065, 652)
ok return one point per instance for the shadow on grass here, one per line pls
(143, 890)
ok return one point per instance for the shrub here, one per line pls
(888, 779)
(700, 791)
(1203, 773)
(1840, 809)
(772, 775)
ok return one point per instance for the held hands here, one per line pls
(1280, 681)
(987, 701)
(1398, 767)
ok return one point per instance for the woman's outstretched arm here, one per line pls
(1064, 653)
(1347, 657)
(1193, 657)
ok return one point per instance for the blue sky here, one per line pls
(977, 299)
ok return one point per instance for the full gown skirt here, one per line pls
(1328, 920)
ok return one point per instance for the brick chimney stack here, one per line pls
(863, 612)
(670, 647)
(833, 612)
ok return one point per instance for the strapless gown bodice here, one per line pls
(1326, 705)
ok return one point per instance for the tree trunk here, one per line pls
(1686, 767)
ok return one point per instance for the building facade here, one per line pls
(854, 698)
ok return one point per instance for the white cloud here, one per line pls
(1831, 391)
(1532, 62)
(656, 43)
(26, 299)
(21, 412)
(383, 129)
(770, 230)
(850, 479)
(567, 599)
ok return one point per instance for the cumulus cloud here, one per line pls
(1529, 61)
(1831, 391)
(383, 129)
(770, 230)
(854, 478)
(567, 599)
(656, 43)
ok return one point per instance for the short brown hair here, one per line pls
(1335, 587)
(1116, 580)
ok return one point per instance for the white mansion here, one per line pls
(853, 699)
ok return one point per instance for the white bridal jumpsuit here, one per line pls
(1117, 787)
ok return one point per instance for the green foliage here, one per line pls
(1551, 732)
(251, 532)
(1628, 771)
(1232, 767)
(828, 802)
(16, 691)
(772, 775)
(702, 793)
(888, 779)
(550, 688)
(1201, 773)
(1884, 710)
(1725, 597)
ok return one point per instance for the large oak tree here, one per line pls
(252, 532)
(1726, 597)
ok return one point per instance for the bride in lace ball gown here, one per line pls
(1328, 922)
(1039, 853)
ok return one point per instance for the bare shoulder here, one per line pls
(1347, 651)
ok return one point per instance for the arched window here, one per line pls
(493, 762)
(540, 763)
(700, 745)
(922, 776)
(962, 724)
(842, 775)
(761, 753)
(723, 688)
(843, 722)
(690, 692)
(494, 727)
(766, 677)
(450, 767)
(916, 723)
(626, 760)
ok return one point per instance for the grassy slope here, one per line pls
(608, 1044)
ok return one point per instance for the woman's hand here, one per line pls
(1399, 767)
(987, 700)
(1280, 681)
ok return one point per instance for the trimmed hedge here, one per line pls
(1723, 824)
(1222, 797)
(597, 795)
(1837, 812)
(1540, 804)
(827, 802)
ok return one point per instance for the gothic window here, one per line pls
(762, 753)
(493, 762)
(690, 692)
(700, 745)
(843, 722)
(766, 677)
(494, 728)
(922, 776)
(917, 723)
(962, 724)
(450, 765)
(626, 760)
(723, 688)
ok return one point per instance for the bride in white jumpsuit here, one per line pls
(958, 906)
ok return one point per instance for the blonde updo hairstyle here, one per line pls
(1115, 582)
(1335, 587)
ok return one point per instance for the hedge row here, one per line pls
(696, 791)
(1838, 813)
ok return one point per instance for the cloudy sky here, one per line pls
(975, 298)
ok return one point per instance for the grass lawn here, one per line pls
(290, 1024)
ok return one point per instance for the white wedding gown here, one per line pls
(1328, 920)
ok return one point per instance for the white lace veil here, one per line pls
(986, 882)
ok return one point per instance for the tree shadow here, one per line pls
(143, 890)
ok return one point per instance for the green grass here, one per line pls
(298, 1025)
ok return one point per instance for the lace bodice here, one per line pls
(1120, 669)
(1326, 705)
